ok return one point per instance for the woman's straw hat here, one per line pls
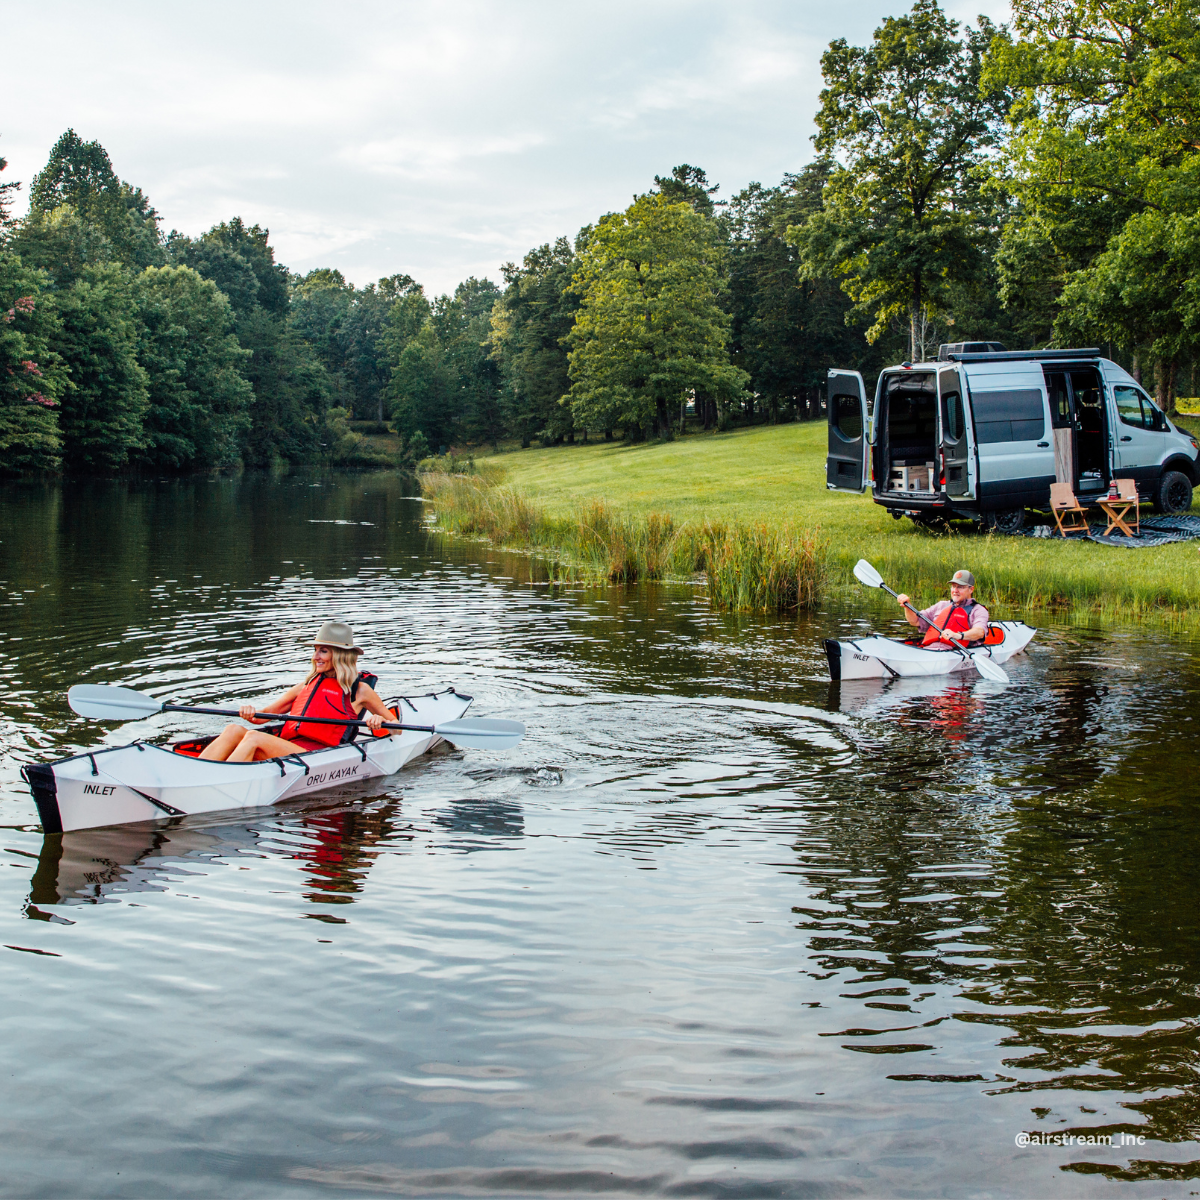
(337, 634)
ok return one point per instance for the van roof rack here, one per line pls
(1022, 355)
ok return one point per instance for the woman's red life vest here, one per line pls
(323, 697)
(957, 620)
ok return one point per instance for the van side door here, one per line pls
(846, 462)
(958, 460)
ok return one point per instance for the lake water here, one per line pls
(717, 928)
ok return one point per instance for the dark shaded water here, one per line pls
(714, 929)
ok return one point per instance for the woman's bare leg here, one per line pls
(265, 745)
(224, 743)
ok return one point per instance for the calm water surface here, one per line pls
(716, 929)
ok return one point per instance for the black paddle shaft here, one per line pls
(229, 712)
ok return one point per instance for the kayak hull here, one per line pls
(882, 658)
(143, 782)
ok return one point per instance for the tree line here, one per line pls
(1036, 185)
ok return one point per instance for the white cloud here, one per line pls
(438, 139)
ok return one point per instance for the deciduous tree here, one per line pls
(1105, 162)
(650, 328)
(909, 124)
(199, 397)
(32, 376)
(103, 405)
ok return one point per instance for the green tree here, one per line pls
(650, 328)
(8, 189)
(787, 330)
(529, 325)
(225, 267)
(199, 396)
(903, 220)
(463, 326)
(252, 245)
(347, 327)
(291, 392)
(1105, 164)
(422, 390)
(62, 244)
(32, 376)
(689, 185)
(364, 334)
(292, 388)
(102, 407)
(321, 303)
(80, 175)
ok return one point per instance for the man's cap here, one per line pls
(965, 578)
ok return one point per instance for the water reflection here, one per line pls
(334, 848)
(490, 824)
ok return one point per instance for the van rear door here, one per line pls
(846, 463)
(958, 463)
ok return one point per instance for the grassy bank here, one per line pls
(775, 477)
(749, 566)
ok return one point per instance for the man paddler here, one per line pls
(957, 620)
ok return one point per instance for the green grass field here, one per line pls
(778, 473)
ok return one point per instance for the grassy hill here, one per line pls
(771, 474)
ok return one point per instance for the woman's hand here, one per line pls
(246, 712)
(374, 721)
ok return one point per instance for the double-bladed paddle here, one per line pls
(103, 702)
(867, 575)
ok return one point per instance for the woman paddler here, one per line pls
(334, 688)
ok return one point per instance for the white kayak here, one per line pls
(883, 658)
(113, 785)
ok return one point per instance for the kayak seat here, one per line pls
(995, 636)
(192, 747)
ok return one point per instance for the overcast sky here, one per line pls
(439, 139)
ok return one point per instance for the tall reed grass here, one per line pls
(748, 567)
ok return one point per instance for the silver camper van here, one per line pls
(983, 434)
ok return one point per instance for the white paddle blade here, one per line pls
(866, 574)
(989, 669)
(484, 733)
(101, 702)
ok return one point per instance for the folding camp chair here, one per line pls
(1069, 515)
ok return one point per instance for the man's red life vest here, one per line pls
(957, 620)
(323, 697)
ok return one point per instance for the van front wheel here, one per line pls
(1174, 493)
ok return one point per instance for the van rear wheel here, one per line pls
(1006, 520)
(1174, 493)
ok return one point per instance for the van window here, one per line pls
(954, 417)
(1135, 408)
(848, 417)
(1009, 416)
(1060, 399)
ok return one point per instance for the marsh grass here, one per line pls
(753, 567)
(776, 474)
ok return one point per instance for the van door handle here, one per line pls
(1126, 438)
(1043, 445)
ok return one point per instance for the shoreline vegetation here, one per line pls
(748, 567)
(748, 511)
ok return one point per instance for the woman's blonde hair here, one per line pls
(344, 666)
